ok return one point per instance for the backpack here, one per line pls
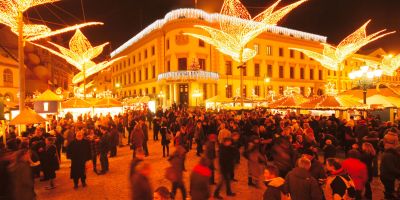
(350, 187)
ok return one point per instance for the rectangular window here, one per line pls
(269, 50)
(153, 50)
(257, 70)
(134, 59)
(302, 55)
(334, 73)
(301, 73)
(245, 71)
(140, 75)
(257, 90)
(129, 77)
(320, 75)
(204, 91)
(146, 75)
(244, 90)
(140, 92)
(201, 43)
(146, 91)
(154, 72)
(257, 48)
(311, 74)
(228, 66)
(281, 53)
(302, 91)
(329, 72)
(182, 64)
(129, 61)
(281, 90)
(167, 44)
(281, 72)
(269, 71)
(202, 63)
(134, 77)
(228, 91)
(291, 72)
(291, 53)
(154, 90)
(140, 57)
(145, 53)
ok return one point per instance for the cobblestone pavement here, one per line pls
(115, 185)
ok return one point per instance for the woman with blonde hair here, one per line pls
(367, 156)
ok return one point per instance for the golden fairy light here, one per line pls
(333, 57)
(80, 54)
(389, 64)
(237, 28)
(9, 14)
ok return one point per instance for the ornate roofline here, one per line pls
(211, 18)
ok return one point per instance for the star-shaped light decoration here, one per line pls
(332, 57)
(330, 89)
(290, 91)
(389, 64)
(237, 28)
(80, 54)
(11, 10)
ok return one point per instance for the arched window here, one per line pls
(8, 78)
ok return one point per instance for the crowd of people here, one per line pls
(296, 156)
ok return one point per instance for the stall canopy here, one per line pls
(48, 95)
(384, 101)
(290, 101)
(27, 116)
(328, 102)
(76, 103)
(107, 102)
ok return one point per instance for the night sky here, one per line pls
(125, 18)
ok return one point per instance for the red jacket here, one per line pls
(357, 171)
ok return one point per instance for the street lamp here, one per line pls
(196, 94)
(267, 80)
(365, 77)
(161, 97)
(117, 86)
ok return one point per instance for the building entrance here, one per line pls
(184, 94)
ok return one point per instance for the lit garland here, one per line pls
(188, 76)
(80, 54)
(330, 89)
(10, 9)
(190, 13)
(234, 35)
(389, 64)
(332, 57)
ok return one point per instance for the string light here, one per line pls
(80, 54)
(330, 89)
(389, 64)
(190, 13)
(9, 12)
(234, 35)
(332, 57)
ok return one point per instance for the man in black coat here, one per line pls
(104, 147)
(390, 163)
(226, 165)
(78, 152)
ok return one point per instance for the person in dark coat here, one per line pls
(50, 162)
(361, 130)
(390, 162)
(177, 160)
(164, 139)
(210, 154)
(145, 137)
(316, 169)
(274, 183)
(255, 163)
(78, 152)
(114, 140)
(226, 165)
(104, 147)
(300, 184)
(283, 155)
(199, 137)
(156, 128)
(199, 180)
(367, 156)
(136, 138)
(140, 183)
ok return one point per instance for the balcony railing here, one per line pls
(188, 76)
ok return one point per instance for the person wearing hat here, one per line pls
(226, 165)
(390, 162)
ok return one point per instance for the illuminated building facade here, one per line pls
(162, 60)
